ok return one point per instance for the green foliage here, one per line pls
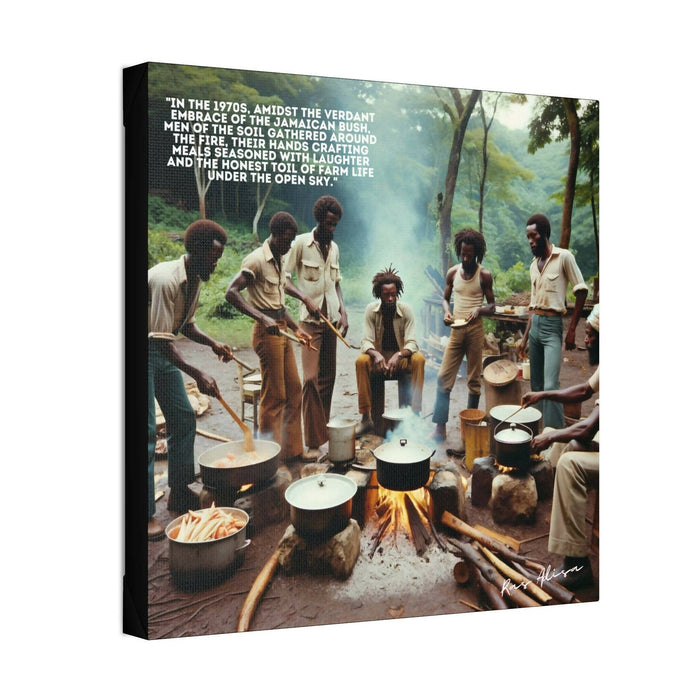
(163, 216)
(161, 247)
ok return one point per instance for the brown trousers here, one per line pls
(319, 379)
(365, 374)
(280, 394)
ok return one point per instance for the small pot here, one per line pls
(526, 418)
(201, 564)
(262, 469)
(513, 447)
(320, 505)
(402, 465)
(341, 440)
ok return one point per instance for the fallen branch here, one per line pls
(250, 604)
(471, 605)
(556, 590)
(494, 598)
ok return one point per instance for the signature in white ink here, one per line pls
(545, 575)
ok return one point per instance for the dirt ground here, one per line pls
(395, 582)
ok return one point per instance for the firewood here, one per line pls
(492, 544)
(492, 576)
(556, 590)
(462, 572)
(250, 604)
(379, 533)
(420, 536)
(493, 597)
(525, 583)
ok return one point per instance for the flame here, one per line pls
(391, 505)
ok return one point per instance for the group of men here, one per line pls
(295, 412)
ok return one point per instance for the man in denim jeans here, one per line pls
(173, 293)
(552, 270)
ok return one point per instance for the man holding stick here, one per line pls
(262, 276)
(315, 261)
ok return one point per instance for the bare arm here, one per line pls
(583, 430)
(573, 394)
(236, 299)
(581, 295)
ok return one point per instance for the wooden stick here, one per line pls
(334, 329)
(293, 337)
(494, 598)
(505, 539)
(420, 536)
(557, 591)
(492, 576)
(494, 545)
(250, 604)
(471, 605)
(248, 442)
(524, 582)
(213, 436)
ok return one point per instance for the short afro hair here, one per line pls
(471, 237)
(325, 204)
(281, 222)
(542, 223)
(386, 276)
(201, 234)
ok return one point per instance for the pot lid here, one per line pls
(402, 451)
(500, 372)
(397, 414)
(513, 436)
(320, 491)
(341, 423)
(523, 415)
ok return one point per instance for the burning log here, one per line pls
(419, 535)
(379, 534)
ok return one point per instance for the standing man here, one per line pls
(173, 292)
(315, 260)
(262, 276)
(389, 347)
(574, 451)
(551, 272)
(471, 283)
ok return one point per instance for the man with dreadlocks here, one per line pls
(470, 283)
(389, 347)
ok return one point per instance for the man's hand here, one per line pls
(206, 384)
(313, 310)
(343, 324)
(529, 398)
(304, 338)
(540, 442)
(570, 340)
(223, 351)
(393, 364)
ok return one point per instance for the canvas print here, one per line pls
(362, 350)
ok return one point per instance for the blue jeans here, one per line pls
(165, 383)
(545, 349)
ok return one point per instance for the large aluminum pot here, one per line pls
(262, 466)
(402, 465)
(513, 447)
(200, 564)
(526, 418)
(341, 440)
(320, 505)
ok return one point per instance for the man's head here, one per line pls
(204, 243)
(283, 229)
(592, 337)
(388, 287)
(538, 231)
(327, 212)
(470, 246)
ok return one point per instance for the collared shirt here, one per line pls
(315, 276)
(267, 289)
(404, 327)
(548, 288)
(167, 296)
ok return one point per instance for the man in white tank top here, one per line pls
(471, 283)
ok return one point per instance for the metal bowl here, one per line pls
(258, 472)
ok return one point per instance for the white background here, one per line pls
(63, 302)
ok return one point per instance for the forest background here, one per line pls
(443, 159)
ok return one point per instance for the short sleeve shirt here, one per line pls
(167, 296)
(267, 288)
(548, 288)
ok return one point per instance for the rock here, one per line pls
(514, 499)
(484, 471)
(336, 555)
(447, 493)
(543, 472)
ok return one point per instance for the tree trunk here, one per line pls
(259, 211)
(460, 121)
(570, 188)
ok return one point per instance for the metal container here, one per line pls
(402, 465)
(513, 447)
(263, 467)
(341, 440)
(320, 505)
(525, 418)
(200, 564)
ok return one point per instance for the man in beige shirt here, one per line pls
(314, 260)
(389, 347)
(551, 272)
(263, 278)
